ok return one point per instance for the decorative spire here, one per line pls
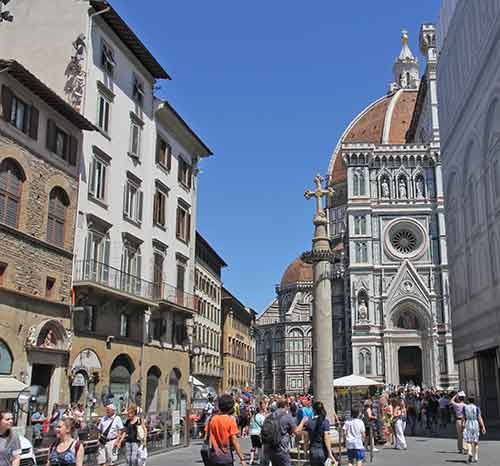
(405, 51)
(406, 68)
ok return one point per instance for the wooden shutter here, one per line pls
(51, 135)
(155, 208)
(179, 172)
(6, 102)
(140, 199)
(188, 227)
(125, 200)
(178, 223)
(33, 126)
(73, 150)
(158, 147)
(190, 176)
(169, 156)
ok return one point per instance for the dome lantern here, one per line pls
(406, 68)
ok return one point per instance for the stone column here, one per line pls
(322, 343)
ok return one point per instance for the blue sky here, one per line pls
(270, 87)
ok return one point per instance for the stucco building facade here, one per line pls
(40, 151)
(238, 336)
(134, 266)
(207, 331)
(469, 58)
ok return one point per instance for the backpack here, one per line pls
(271, 430)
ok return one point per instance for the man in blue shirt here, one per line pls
(305, 411)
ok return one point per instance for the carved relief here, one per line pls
(75, 74)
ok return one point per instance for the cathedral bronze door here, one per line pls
(410, 365)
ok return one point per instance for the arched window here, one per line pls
(5, 359)
(119, 380)
(356, 184)
(365, 362)
(11, 183)
(362, 190)
(58, 203)
(152, 384)
(173, 389)
(296, 346)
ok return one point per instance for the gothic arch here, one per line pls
(420, 311)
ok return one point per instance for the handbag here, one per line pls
(103, 438)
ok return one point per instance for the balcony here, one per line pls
(168, 294)
(105, 278)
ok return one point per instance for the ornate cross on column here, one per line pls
(319, 193)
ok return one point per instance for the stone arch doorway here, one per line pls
(409, 345)
(410, 365)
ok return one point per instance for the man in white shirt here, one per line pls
(109, 428)
(354, 430)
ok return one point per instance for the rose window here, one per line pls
(405, 238)
(404, 241)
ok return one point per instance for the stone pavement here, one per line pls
(421, 451)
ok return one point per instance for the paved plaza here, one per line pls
(426, 451)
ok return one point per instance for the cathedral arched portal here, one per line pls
(409, 345)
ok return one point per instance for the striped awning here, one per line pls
(10, 387)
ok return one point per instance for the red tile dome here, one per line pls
(297, 272)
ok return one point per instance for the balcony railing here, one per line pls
(104, 274)
(171, 294)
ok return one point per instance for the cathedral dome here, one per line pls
(298, 271)
(385, 121)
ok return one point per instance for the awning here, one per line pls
(355, 381)
(195, 381)
(10, 387)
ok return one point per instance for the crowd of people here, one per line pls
(277, 423)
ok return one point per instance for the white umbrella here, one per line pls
(355, 381)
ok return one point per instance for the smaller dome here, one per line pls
(298, 271)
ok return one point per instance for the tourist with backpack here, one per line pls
(320, 444)
(221, 439)
(276, 432)
(256, 423)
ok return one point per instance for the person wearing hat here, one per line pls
(109, 427)
(458, 404)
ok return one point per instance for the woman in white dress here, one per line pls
(400, 424)
(473, 421)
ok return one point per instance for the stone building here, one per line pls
(469, 109)
(391, 315)
(207, 331)
(135, 236)
(238, 337)
(40, 153)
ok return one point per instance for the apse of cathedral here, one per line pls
(391, 315)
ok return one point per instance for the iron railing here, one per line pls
(104, 274)
(171, 294)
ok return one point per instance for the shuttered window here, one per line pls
(58, 203)
(183, 225)
(163, 153)
(61, 143)
(19, 114)
(159, 206)
(11, 182)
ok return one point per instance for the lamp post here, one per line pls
(5, 15)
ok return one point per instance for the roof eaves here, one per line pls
(31, 82)
(129, 38)
(205, 150)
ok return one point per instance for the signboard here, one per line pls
(176, 428)
(183, 408)
(79, 380)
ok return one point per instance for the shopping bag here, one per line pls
(143, 456)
